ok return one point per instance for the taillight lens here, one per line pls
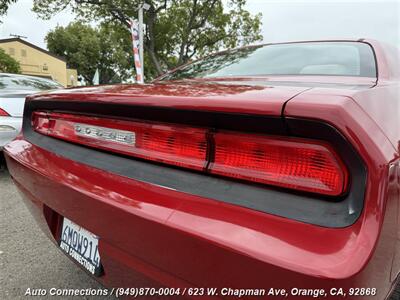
(3, 113)
(40, 122)
(292, 163)
(177, 145)
(299, 164)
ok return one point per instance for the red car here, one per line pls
(265, 170)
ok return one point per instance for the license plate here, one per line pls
(81, 245)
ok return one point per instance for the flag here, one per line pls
(134, 28)
(96, 77)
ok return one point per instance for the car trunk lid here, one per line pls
(245, 97)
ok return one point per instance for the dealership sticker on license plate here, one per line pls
(81, 245)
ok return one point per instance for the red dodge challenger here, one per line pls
(264, 171)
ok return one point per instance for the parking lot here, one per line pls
(27, 258)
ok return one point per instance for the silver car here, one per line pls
(13, 90)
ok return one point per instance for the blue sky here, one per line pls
(283, 20)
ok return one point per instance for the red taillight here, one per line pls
(40, 122)
(293, 163)
(3, 113)
(285, 162)
(177, 145)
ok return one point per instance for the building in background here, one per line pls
(39, 62)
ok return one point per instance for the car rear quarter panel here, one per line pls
(378, 225)
(382, 105)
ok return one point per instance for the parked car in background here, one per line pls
(13, 90)
(267, 169)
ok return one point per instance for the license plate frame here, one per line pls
(81, 245)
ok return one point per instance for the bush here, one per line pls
(8, 64)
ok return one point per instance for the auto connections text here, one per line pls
(263, 293)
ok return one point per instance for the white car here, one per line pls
(13, 90)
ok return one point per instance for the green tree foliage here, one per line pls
(4, 5)
(8, 64)
(85, 48)
(176, 30)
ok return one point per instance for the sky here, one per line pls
(327, 19)
(283, 20)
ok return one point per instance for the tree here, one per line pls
(88, 49)
(176, 30)
(116, 61)
(8, 64)
(4, 5)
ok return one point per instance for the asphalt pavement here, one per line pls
(27, 258)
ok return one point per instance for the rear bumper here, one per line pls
(9, 129)
(153, 236)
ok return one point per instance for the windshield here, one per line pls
(15, 83)
(311, 58)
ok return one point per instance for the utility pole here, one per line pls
(142, 6)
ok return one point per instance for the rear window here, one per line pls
(15, 83)
(312, 58)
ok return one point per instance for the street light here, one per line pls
(142, 6)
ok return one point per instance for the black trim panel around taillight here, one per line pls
(324, 211)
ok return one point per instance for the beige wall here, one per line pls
(38, 63)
